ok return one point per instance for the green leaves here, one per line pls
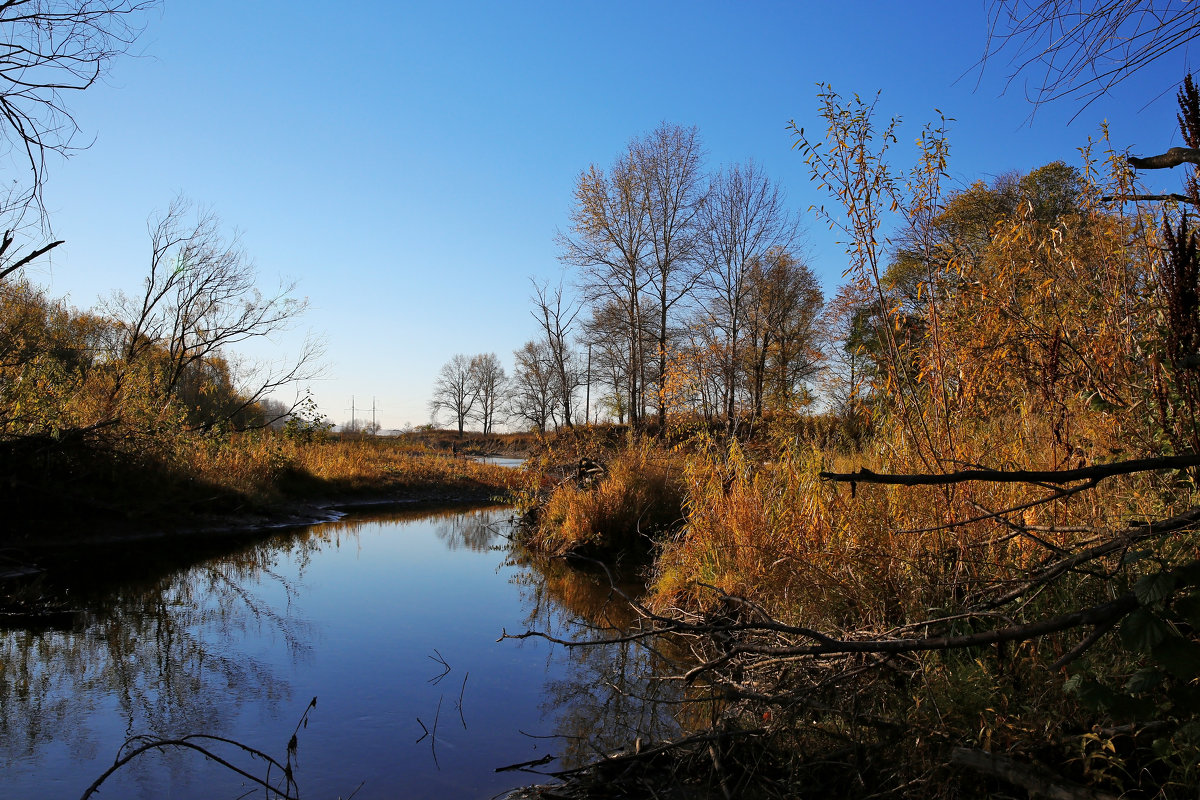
(1143, 629)
(1153, 589)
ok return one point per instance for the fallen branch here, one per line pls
(1095, 615)
(1053, 476)
(825, 645)
(1119, 540)
(190, 743)
(287, 790)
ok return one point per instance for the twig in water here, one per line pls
(459, 704)
(287, 790)
(436, 679)
(433, 740)
(537, 762)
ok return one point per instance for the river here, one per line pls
(390, 620)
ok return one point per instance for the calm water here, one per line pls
(502, 461)
(390, 621)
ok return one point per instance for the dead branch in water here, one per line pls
(202, 743)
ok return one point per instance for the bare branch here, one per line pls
(48, 48)
(1055, 477)
(1172, 158)
(1133, 198)
(1083, 48)
(28, 257)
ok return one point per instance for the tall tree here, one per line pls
(607, 333)
(531, 394)
(489, 379)
(454, 390)
(743, 221)
(669, 165)
(608, 242)
(556, 316)
(781, 349)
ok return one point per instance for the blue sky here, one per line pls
(409, 163)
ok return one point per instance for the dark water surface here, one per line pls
(388, 620)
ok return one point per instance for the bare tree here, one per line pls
(557, 317)
(606, 332)
(199, 299)
(846, 375)
(532, 394)
(454, 390)
(489, 380)
(744, 219)
(669, 166)
(1083, 47)
(49, 48)
(609, 242)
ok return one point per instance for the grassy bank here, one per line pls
(989, 581)
(98, 485)
(139, 416)
(786, 583)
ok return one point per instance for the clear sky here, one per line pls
(409, 163)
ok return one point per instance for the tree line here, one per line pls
(688, 294)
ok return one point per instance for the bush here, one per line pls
(637, 499)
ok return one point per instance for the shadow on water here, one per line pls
(234, 643)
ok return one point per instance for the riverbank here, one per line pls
(249, 486)
(876, 630)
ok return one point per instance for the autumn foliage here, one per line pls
(1046, 321)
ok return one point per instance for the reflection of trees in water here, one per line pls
(610, 695)
(168, 650)
(476, 529)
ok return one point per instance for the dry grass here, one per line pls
(368, 465)
(640, 494)
(872, 555)
(267, 468)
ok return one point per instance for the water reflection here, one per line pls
(612, 695)
(350, 611)
(150, 655)
(477, 530)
